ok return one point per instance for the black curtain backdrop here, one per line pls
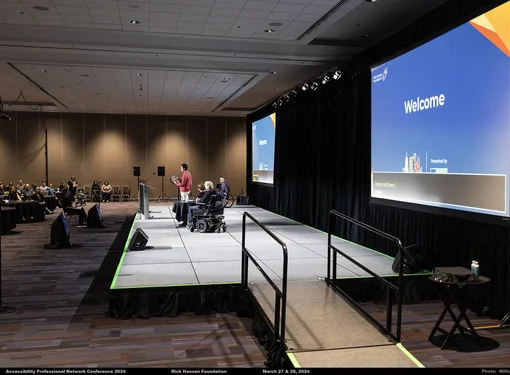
(322, 162)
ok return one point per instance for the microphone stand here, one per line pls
(3, 309)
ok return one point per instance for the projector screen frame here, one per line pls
(250, 119)
(485, 218)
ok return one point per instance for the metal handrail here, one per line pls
(280, 294)
(390, 286)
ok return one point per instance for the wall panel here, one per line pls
(156, 152)
(136, 150)
(236, 154)
(97, 146)
(30, 146)
(196, 149)
(95, 155)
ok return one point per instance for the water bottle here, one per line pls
(476, 270)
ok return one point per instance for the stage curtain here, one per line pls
(322, 162)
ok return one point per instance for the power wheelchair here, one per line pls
(209, 217)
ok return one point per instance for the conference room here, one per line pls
(268, 184)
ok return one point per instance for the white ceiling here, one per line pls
(84, 55)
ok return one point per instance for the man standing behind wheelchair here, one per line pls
(224, 189)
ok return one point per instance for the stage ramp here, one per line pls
(324, 330)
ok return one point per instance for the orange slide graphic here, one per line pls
(495, 26)
(273, 119)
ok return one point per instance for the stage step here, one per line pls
(323, 329)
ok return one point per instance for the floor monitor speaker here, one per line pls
(94, 218)
(139, 240)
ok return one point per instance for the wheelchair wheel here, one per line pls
(224, 228)
(230, 201)
(191, 229)
(202, 226)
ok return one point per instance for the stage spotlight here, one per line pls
(292, 94)
(286, 98)
(325, 79)
(314, 86)
(279, 101)
(305, 87)
(337, 75)
(275, 104)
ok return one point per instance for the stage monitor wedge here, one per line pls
(59, 234)
(94, 218)
(441, 123)
(139, 240)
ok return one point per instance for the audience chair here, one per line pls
(115, 193)
(88, 192)
(69, 216)
(125, 193)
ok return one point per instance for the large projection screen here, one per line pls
(441, 120)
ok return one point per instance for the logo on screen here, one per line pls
(254, 127)
(263, 142)
(381, 76)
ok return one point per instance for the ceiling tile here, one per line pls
(76, 18)
(103, 4)
(13, 7)
(217, 27)
(80, 25)
(289, 8)
(164, 24)
(188, 9)
(170, 8)
(134, 6)
(104, 12)
(233, 4)
(299, 25)
(259, 5)
(46, 16)
(282, 16)
(306, 18)
(51, 23)
(198, 2)
(331, 3)
(188, 31)
(317, 9)
(301, 1)
(72, 10)
(134, 15)
(193, 18)
(163, 16)
(71, 3)
(215, 32)
(190, 25)
(223, 20)
(247, 23)
(256, 14)
(106, 20)
(225, 12)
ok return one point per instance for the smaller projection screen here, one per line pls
(263, 143)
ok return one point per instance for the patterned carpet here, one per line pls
(61, 297)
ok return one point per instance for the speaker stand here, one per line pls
(137, 190)
(4, 309)
(163, 196)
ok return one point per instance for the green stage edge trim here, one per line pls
(126, 245)
(293, 360)
(173, 285)
(410, 356)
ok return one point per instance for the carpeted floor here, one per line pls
(61, 298)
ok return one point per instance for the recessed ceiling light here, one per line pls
(365, 36)
(135, 22)
(40, 8)
(275, 24)
(269, 30)
(139, 74)
(214, 92)
(61, 87)
(273, 72)
(371, 1)
(43, 70)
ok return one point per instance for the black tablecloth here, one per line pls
(25, 210)
(181, 210)
(51, 203)
(8, 219)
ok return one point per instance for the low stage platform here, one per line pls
(201, 272)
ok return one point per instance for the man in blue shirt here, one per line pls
(224, 188)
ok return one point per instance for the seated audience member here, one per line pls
(67, 205)
(209, 192)
(21, 185)
(62, 186)
(94, 191)
(43, 187)
(201, 191)
(106, 191)
(38, 196)
(51, 191)
(14, 195)
(11, 184)
(2, 189)
(26, 191)
(224, 188)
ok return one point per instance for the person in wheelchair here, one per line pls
(207, 214)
